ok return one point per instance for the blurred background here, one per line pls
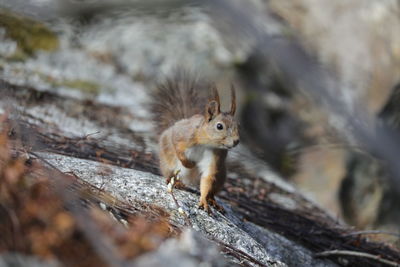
(315, 79)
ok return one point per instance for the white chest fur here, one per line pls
(195, 153)
(206, 162)
(203, 156)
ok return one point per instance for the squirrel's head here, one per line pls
(220, 127)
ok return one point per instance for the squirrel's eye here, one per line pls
(220, 126)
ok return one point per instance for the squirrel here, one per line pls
(194, 135)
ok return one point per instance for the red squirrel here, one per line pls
(194, 134)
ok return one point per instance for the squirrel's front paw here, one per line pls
(188, 164)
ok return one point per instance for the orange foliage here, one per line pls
(33, 218)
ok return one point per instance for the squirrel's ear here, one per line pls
(233, 100)
(212, 110)
(216, 95)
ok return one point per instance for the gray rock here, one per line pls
(131, 185)
(364, 31)
(16, 260)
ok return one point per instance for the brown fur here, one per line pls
(179, 97)
(190, 139)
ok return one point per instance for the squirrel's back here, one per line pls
(178, 97)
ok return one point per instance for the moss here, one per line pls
(288, 164)
(82, 85)
(29, 34)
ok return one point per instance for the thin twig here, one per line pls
(88, 135)
(238, 253)
(356, 254)
(373, 232)
(187, 219)
(172, 184)
(174, 198)
(331, 146)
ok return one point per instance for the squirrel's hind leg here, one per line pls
(205, 204)
(214, 203)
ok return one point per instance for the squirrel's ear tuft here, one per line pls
(233, 100)
(212, 110)
(215, 94)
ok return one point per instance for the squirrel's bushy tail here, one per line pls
(178, 97)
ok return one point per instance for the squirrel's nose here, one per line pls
(235, 142)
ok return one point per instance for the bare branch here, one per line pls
(356, 254)
(373, 232)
